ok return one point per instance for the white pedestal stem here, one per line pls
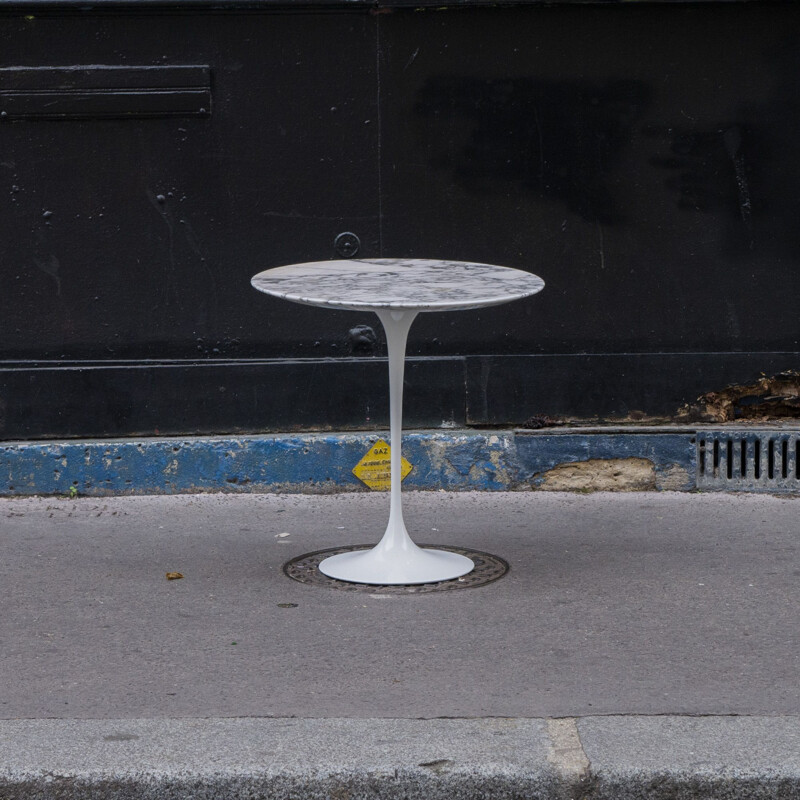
(396, 324)
(396, 559)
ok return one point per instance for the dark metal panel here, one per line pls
(98, 91)
(96, 105)
(618, 387)
(137, 238)
(85, 400)
(229, 5)
(641, 158)
(102, 77)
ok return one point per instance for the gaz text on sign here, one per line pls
(374, 469)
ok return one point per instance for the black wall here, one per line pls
(642, 158)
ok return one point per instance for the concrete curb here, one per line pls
(345, 759)
(641, 458)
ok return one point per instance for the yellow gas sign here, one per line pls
(375, 467)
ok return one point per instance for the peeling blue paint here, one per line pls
(668, 453)
(452, 460)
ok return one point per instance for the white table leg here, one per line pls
(396, 559)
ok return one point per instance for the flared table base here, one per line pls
(414, 565)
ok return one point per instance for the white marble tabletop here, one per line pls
(397, 283)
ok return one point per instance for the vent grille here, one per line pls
(747, 460)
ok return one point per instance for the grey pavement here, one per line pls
(641, 645)
(620, 757)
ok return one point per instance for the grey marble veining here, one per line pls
(379, 283)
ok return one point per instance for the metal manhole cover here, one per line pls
(488, 568)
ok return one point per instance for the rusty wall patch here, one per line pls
(768, 398)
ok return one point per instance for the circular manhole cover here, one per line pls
(488, 568)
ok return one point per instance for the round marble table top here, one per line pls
(397, 283)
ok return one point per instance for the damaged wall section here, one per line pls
(594, 460)
(768, 398)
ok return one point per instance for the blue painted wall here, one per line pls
(458, 460)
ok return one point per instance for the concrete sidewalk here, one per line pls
(571, 675)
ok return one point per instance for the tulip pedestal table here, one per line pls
(397, 290)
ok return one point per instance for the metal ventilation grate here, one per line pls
(749, 460)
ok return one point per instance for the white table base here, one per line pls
(396, 559)
(382, 566)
